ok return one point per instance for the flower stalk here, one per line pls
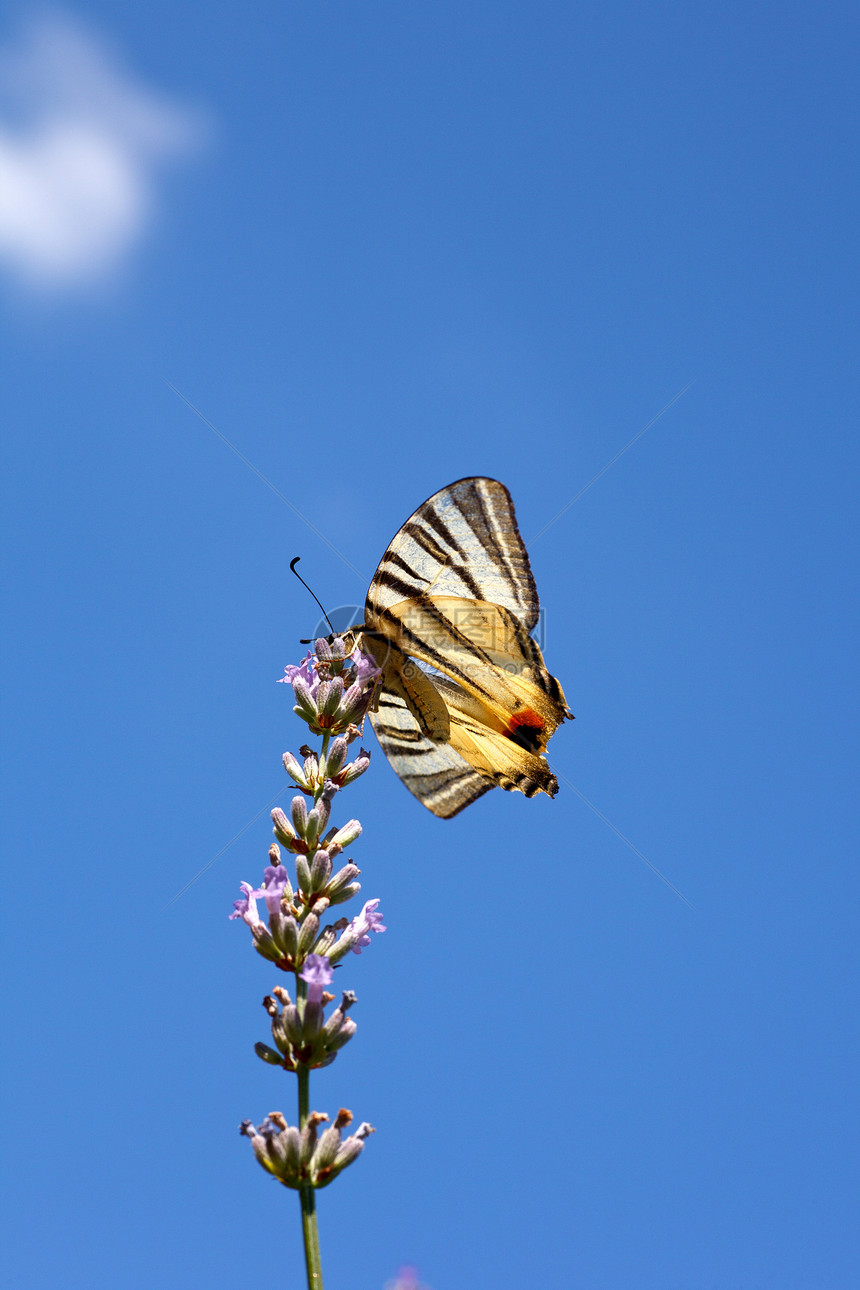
(333, 691)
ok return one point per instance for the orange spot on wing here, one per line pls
(526, 729)
(525, 718)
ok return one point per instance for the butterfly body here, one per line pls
(455, 592)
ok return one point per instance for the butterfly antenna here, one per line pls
(293, 564)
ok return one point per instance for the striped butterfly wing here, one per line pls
(455, 591)
(431, 769)
(463, 542)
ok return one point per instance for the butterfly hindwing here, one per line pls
(433, 770)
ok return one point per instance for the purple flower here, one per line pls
(369, 920)
(246, 906)
(305, 672)
(365, 667)
(407, 1279)
(318, 974)
(274, 881)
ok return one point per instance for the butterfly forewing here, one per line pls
(463, 541)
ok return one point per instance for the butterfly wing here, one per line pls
(483, 649)
(463, 542)
(455, 590)
(431, 769)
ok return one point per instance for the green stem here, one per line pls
(323, 754)
(313, 1265)
(307, 1195)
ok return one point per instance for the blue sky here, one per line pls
(381, 247)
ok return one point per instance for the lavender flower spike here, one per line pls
(334, 688)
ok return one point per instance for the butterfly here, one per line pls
(465, 701)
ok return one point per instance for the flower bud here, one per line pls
(317, 820)
(336, 758)
(306, 707)
(308, 934)
(303, 873)
(311, 1021)
(345, 894)
(264, 943)
(344, 878)
(288, 935)
(342, 1036)
(268, 1055)
(326, 1149)
(346, 1153)
(284, 831)
(312, 830)
(354, 769)
(320, 870)
(336, 1020)
(309, 1136)
(326, 938)
(291, 1024)
(329, 704)
(323, 691)
(346, 835)
(311, 769)
(279, 1033)
(294, 770)
(292, 1151)
(337, 1023)
(299, 812)
(355, 703)
(354, 1145)
(276, 927)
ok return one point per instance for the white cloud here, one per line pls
(82, 143)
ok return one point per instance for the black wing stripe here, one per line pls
(434, 520)
(450, 780)
(519, 574)
(403, 737)
(493, 545)
(425, 540)
(385, 578)
(394, 558)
